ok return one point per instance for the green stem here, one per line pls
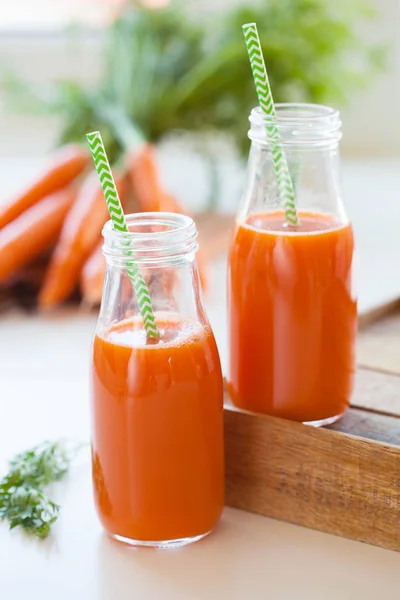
(203, 71)
(213, 196)
(127, 132)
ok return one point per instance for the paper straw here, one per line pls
(119, 223)
(285, 185)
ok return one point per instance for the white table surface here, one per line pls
(44, 394)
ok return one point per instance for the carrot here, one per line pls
(149, 195)
(79, 235)
(169, 204)
(92, 276)
(142, 176)
(33, 232)
(67, 164)
(142, 171)
(33, 273)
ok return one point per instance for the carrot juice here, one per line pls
(157, 442)
(292, 316)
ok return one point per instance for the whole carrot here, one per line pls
(68, 162)
(92, 276)
(142, 171)
(33, 232)
(79, 235)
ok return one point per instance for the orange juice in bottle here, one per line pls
(292, 312)
(157, 414)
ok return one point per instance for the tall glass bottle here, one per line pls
(157, 414)
(292, 311)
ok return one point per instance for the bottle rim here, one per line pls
(298, 124)
(152, 237)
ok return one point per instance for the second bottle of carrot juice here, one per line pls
(292, 311)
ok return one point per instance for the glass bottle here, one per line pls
(292, 311)
(157, 405)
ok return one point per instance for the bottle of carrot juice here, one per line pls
(157, 404)
(292, 311)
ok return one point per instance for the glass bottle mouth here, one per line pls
(298, 124)
(153, 237)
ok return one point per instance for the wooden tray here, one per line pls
(343, 479)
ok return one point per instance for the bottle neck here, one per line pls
(153, 239)
(164, 247)
(301, 127)
(310, 137)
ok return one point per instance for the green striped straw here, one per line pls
(285, 185)
(119, 223)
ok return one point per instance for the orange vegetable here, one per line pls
(79, 235)
(67, 164)
(92, 276)
(33, 232)
(142, 171)
(149, 195)
(169, 204)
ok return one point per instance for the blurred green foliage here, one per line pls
(169, 69)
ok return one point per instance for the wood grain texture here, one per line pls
(320, 478)
(378, 346)
(343, 479)
(371, 426)
(377, 391)
(365, 320)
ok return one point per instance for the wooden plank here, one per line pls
(320, 478)
(367, 425)
(374, 391)
(378, 346)
(377, 391)
(377, 314)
